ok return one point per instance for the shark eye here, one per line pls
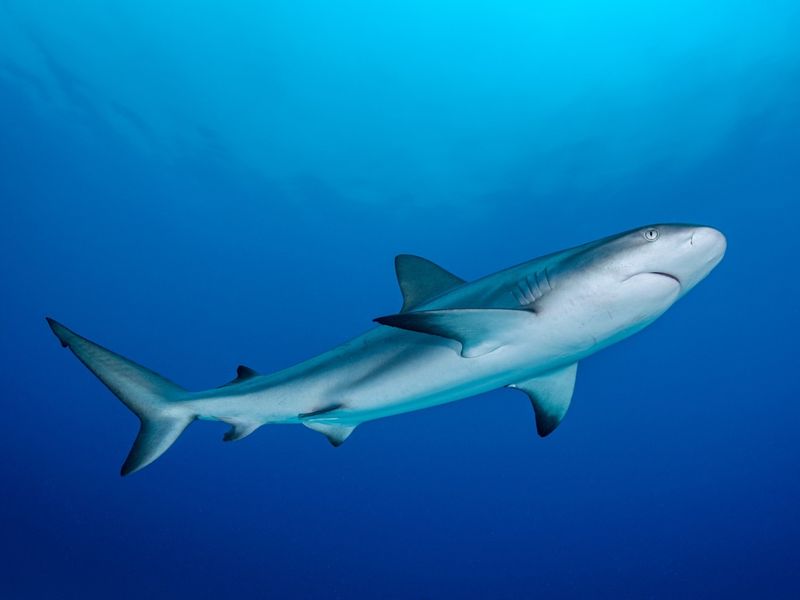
(651, 235)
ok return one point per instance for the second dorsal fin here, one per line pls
(242, 374)
(420, 280)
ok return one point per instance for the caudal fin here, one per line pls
(154, 399)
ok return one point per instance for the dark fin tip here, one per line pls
(243, 372)
(546, 426)
(54, 326)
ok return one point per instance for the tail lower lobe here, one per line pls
(151, 397)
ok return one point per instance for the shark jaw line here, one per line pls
(668, 275)
(659, 273)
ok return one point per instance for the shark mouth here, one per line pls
(678, 281)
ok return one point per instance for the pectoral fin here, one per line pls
(550, 396)
(479, 330)
(335, 432)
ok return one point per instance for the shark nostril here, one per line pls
(691, 240)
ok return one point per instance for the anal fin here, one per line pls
(239, 430)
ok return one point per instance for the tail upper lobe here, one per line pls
(154, 399)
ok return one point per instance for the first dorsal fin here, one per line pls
(242, 374)
(420, 280)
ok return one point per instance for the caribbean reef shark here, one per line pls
(526, 328)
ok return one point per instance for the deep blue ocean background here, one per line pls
(198, 185)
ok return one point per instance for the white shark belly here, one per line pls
(388, 371)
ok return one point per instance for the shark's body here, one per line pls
(525, 327)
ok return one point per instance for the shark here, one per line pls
(526, 327)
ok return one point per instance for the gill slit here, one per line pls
(528, 291)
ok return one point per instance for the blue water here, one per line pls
(198, 185)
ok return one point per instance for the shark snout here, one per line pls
(711, 242)
(705, 249)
